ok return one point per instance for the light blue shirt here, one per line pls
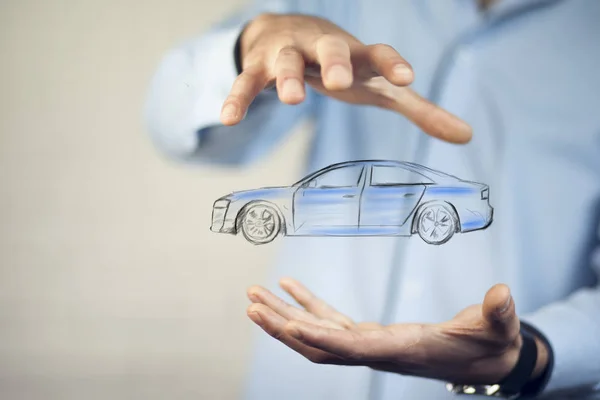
(526, 76)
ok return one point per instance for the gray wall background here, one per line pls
(111, 285)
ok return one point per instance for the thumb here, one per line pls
(499, 311)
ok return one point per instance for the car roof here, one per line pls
(391, 163)
(428, 172)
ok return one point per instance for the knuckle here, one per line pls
(276, 333)
(385, 51)
(347, 323)
(382, 47)
(337, 60)
(243, 86)
(288, 51)
(318, 358)
(287, 73)
(233, 100)
(238, 98)
(356, 355)
(332, 43)
(330, 38)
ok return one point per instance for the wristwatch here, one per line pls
(516, 384)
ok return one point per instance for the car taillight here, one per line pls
(485, 194)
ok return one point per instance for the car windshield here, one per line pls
(311, 176)
(305, 179)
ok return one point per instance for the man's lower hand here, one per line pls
(480, 345)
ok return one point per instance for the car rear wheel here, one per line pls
(260, 223)
(436, 223)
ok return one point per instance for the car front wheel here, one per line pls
(436, 223)
(260, 223)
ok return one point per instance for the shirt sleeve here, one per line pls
(572, 327)
(183, 106)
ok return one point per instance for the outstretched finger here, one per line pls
(431, 118)
(366, 346)
(261, 295)
(289, 74)
(333, 55)
(246, 87)
(387, 62)
(313, 304)
(274, 325)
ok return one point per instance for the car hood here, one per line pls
(269, 193)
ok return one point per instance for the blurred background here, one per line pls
(111, 284)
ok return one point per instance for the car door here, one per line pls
(328, 204)
(389, 197)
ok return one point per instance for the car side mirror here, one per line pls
(310, 184)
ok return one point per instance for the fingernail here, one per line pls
(339, 75)
(403, 72)
(505, 306)
(229, 111)
(292, 86)
(255, 316)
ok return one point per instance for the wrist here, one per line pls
(541, 362)
(542, 359)
(544, 363)
(531, 363)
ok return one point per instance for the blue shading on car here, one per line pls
(359, 198)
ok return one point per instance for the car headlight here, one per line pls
(485, 194)
(223, 203)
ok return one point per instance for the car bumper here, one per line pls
(473, 220)
(221, 223)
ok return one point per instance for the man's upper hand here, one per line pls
(480, 345)
(291, 50)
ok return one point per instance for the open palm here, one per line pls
(479, 345)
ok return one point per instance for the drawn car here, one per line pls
(359, 198)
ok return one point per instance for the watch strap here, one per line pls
(517, 383)
(534, 387)
(514, 382)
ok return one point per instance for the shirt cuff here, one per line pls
(574, 343)
(215, 72)
(188, 91)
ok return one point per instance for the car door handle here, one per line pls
(408, 194)
(348, 196)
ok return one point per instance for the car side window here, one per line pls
(339, 178)
(384, 175)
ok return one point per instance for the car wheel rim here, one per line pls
(436, 224)
(259, 223)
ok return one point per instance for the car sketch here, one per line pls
(359, 198)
